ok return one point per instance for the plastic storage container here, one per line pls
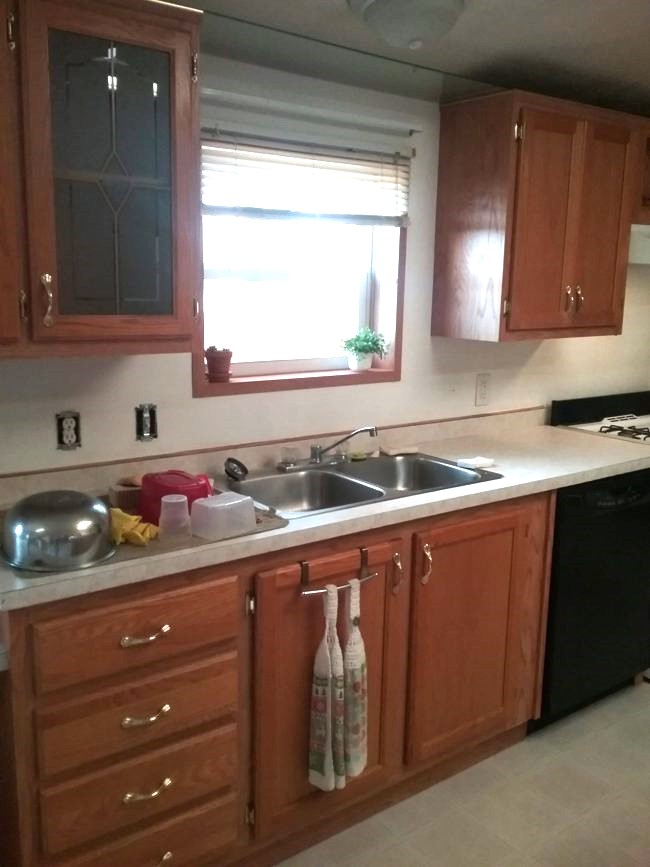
(222, 516)
(156, 485)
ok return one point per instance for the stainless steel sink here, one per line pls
(415, 472)
(306, 491)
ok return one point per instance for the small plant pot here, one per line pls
(360, 362)
(218, 365)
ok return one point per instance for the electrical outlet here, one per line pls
(482, 397)
(68, 430)
(146, 422)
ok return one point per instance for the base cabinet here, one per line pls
(289, 628)
(478, 594)
(175, 717)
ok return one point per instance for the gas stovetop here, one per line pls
(629, 426)
(615, 415)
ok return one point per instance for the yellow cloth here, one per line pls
(131, 528)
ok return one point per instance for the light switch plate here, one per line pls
(482, 396)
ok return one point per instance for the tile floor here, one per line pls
(576, 794)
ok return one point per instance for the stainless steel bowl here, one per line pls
(57, 531)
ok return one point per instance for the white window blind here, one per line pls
(283, 181)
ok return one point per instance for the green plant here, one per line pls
(212, 349)
(366, 342)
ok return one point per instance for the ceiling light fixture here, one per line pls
(409, 23)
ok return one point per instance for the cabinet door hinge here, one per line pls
(506, 306)
(194, 67)
(520, 129)
(249, 605)
(11, 31)
(249, 815)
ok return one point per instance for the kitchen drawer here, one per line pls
(77, 733)
(118, 638)
(199, 835)
(93, 806)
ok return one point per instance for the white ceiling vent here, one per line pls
(409, 23)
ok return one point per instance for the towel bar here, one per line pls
(340, 588)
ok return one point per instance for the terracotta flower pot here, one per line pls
(218, 365)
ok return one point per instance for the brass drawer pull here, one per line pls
(133, 797)
(426, 550)
(399, 572)
(133, 641)
(46, 282)
(131, 722)
(167, 858)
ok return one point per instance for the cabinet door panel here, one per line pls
(289, 628)
(545, 221)
(11, 213)
(605, 219)
(475, 637)
(110, 129)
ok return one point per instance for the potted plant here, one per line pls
(361, 348)
(218, 361)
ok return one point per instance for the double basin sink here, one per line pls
(322, 488)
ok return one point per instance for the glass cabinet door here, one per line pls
(111, 143)
(105, 259)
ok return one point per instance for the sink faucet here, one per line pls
(317, 452)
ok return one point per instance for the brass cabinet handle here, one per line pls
(399, 573)
(569, 298)
(580, 298)
(426, 550)
(134, 641)
(46, 282)
(132, 722)
(167, 858)
(133, 797)
(22, 306)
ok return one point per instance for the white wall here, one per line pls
(438, 374)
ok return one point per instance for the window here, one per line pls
(302, 247)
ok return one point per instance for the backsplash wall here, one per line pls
(438, 379)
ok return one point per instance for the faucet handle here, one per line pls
(315, 454)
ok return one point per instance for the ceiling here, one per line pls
(590, 50)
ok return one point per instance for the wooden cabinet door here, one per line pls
(112, 166)
(288, 630)
(11, 213)
(478, 599)
(545, 220)
(608, 198)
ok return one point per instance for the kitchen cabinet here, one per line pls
(12, 262)
(479, 592)
(204, 679)
(110, 106)
(126, 713)
(535, 203)
(642, 209)
(289, 628)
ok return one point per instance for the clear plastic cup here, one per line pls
(174, 517)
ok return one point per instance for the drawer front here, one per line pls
(134, 791)
(78, 733)
(119, 638)
(193, 836)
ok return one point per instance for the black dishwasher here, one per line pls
(599, 606)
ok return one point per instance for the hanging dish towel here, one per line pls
(326, 736)
(356, 688)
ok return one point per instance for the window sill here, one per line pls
(291, 381)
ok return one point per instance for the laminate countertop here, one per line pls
(532, 461)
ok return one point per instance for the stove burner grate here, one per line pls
(633, 431)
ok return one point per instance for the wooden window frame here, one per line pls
(388, 369)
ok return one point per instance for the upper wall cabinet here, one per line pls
(535, 202)
(110, 105)
(12, 290)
